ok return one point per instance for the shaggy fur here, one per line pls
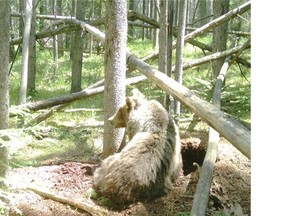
(150, 161)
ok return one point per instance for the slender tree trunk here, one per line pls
(130, 28)
(169, 105)
(77, 51)
(203, 13)
(219, 42)
(180, 49)
(91, 38)
(156, 30)
(25, 52)
(55, 40)
(115, 69)
(164, 52)
(4, 97)
(21, 19)
(143, 12)
(31, 85)
(59, 38)
(162, 61)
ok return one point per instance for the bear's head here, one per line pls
(140, 115)
(120, 118)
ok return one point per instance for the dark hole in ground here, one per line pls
(192, 151)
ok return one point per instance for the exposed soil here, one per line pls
(229, 193)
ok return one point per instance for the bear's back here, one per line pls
(149, 117)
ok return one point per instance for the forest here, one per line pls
(66, 68)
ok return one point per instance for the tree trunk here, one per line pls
(4, 97)
(163, 21)
(180, 49)
(131, 29)
(77, 50)
(156, 31)
(25, 52)
(165, 41)
(59, 38)
(31, 85)
(169, 105)
(219, 41)
(202, 13)
(115, 70)
(55, 41)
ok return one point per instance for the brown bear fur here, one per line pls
(149, 162)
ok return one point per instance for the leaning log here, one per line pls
(226, 125)
(201, 196)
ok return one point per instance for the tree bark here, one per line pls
(115, 71)
(55, 41)
(31, 83)
(60, 36)
(180, 49)
(4, 99)
(219, 40)
(77, 50)
(25, 53)
(163, 37)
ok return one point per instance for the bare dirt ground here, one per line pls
(229, 193)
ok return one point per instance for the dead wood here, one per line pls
(214, 56)
(206, 28)
(226, 125)
(72, 24)
(43, 104)
(92, 209)
(216, 22)
(49, 113)
(201, 196)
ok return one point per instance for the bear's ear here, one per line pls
(132, 103)
(137, 94)
(129, 103)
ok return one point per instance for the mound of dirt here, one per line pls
(229, 193)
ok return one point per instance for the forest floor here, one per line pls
(229, 192)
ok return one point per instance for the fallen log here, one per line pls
(57, 108)
(226, 125)
(43, 104)
(215, 56)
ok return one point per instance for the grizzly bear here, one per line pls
(149, 162)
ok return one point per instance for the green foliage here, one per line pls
(63, 140)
